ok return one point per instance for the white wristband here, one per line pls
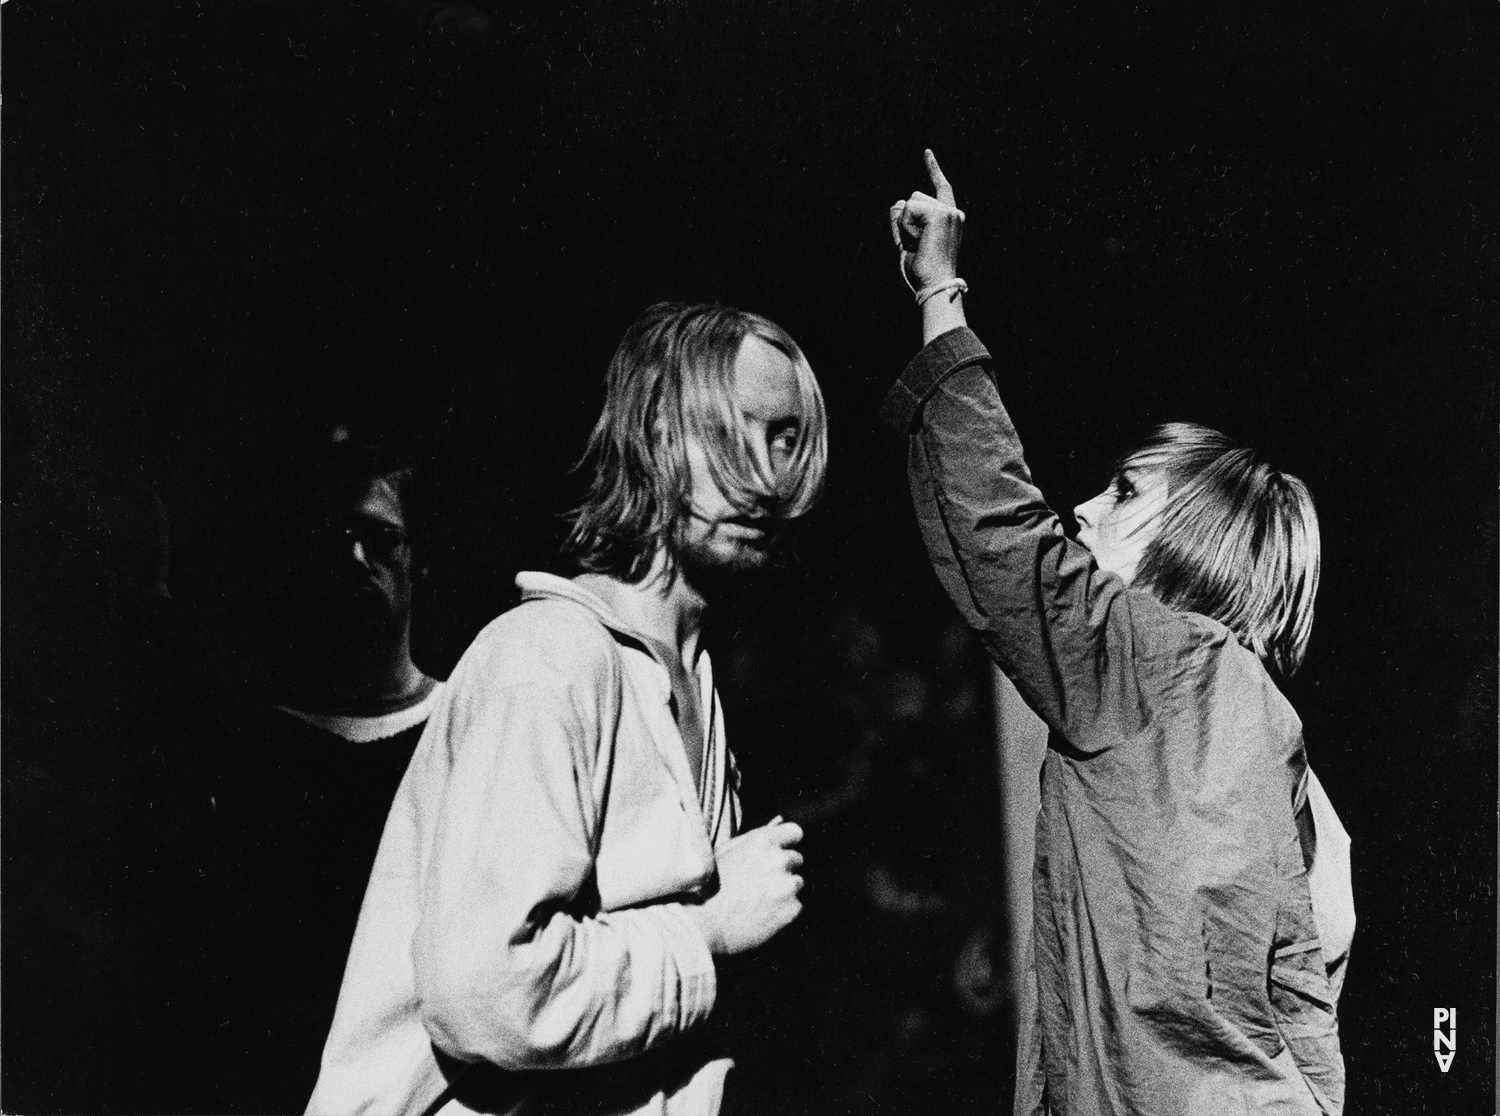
(938, 288)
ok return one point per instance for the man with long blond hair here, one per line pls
(562, 864)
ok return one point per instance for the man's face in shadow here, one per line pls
(363, 575)
(376, 557)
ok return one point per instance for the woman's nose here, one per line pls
(1083, 514)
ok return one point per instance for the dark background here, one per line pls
(226, 223)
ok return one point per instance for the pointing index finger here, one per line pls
(940, 184)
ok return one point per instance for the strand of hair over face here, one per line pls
(712, 418)
(671, 380)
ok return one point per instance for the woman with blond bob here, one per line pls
(1192, 908)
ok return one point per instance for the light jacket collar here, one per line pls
(707, 799)
(535, 586)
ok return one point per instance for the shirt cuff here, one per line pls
(697, 979)
(939, 359)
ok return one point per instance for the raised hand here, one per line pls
(758, 886)
(927, 228)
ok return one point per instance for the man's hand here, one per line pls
(927, 229)
(758, 886)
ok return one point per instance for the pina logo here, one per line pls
(1441, 1040)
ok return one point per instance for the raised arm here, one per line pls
(1059, 627)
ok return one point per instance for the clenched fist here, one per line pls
(758, 886)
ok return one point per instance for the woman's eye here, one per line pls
(1123, 490)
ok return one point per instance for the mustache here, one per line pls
(759, 517)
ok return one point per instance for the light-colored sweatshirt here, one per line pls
(523, 945)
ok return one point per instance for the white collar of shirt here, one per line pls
(535, 585)
(367, 730)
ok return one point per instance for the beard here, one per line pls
(715, 563)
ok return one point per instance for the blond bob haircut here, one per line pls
(672, 380)
(1236, 541)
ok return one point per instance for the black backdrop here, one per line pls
(224, 222)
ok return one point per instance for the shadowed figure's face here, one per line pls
(375, 557)
(359, 577)
(1118, 524)
(719, 535)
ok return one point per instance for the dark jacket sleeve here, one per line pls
(1063, 630)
